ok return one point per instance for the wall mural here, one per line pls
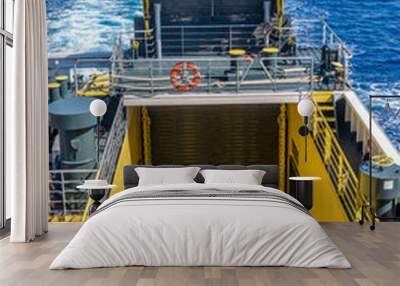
(84, 34)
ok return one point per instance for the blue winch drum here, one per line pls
(385, 187)
(75, 123)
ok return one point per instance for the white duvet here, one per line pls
(203, 232)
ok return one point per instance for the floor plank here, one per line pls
(375, 257)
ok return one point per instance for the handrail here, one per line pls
(111, 152)
(338, 167)
(237, 74)
(325, 25)
(296, 26)
(327, 33)
(212, 26)
(145, 37)
(132, 31)
(184, 40)
(72, 171)
(113, 145)
(319, 34)
(63, 194)
(197, 41)
(335, 36)
(205, 59)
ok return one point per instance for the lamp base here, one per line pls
(96, 195)
(93, 207)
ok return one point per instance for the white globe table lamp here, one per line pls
(305, 107)
(98, 108)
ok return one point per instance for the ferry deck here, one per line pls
(205, 83)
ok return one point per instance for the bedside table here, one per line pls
(303, 190)
(96, 189)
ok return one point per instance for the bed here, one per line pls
(198, 224)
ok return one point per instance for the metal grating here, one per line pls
(232, 134)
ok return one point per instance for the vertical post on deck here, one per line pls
(346, 67)
(182, 40)
(324, 34)
(237, 75)
(267, 21)
(230, 38)
(76, 78)
(157, 10)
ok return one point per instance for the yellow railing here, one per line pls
(65, 218)
(146, 14)
(282, 118)
(146, 133)
(338, 167)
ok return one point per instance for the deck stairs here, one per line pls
(353, 134)
(326, 103)
(335, 154)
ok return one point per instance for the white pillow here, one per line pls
(165, 176)
(248, 177)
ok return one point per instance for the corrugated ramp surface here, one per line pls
(233, 134)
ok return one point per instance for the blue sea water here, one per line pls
(77, 26)
(369, 27)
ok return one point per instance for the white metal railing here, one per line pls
(316, 33)
(187, 40)
(141, 43)
(197, 43)
(230, 74)
(309, 33)
(64, 198)
(113, 145)
(129, 72)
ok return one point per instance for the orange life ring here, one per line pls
(185, 76)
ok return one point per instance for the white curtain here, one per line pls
(27, 124)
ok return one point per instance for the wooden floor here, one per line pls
(375, 257)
